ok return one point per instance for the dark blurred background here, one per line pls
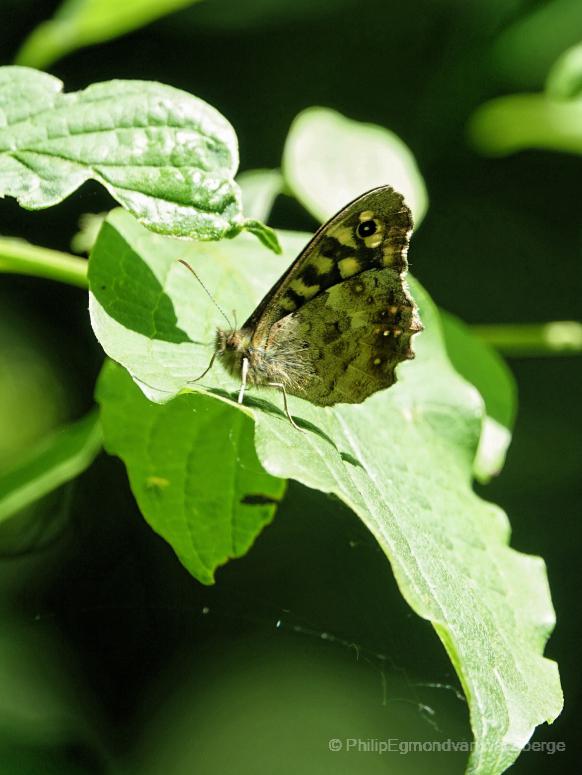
(115, 652)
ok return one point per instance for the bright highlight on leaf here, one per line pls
(329, 160)
(402, 460)
(166, 156)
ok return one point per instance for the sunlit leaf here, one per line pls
(166, 156)
(402, 460)
(259, 189)
(329, 160)
(89, 225)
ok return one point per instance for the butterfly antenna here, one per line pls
(153, 387)
(210, 296)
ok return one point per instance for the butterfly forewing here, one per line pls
(372, 232)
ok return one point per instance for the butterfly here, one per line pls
(340, 319)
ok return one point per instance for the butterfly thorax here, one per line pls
(266, 365)
(234, 346)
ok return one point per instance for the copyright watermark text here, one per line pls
(403, 747)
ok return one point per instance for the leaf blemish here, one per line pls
(255, 499)
(156, 483)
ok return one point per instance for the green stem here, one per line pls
(20, 257)
(563, 337)
(534, 339)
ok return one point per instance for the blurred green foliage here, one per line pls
(551, 120)
(79, 23)
(500, 243)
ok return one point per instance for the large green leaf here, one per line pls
(51, 463)
(79, 23)
(402, 460)
(193, 469)
(166, 156)
(329, 160)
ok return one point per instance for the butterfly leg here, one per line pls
(281, 387)
(245, 371)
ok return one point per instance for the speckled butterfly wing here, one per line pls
(349, 339)
(372, 232)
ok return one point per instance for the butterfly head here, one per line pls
(232, 346)
(235, 341)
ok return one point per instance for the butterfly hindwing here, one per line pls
(371, 232)
(350, 338)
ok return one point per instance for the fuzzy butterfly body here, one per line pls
(339, 321)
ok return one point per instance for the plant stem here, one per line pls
(562, 337)
(530, 339)
(20, 257)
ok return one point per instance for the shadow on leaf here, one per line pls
(130, 293)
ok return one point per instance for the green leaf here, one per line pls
(54, 461)
(166, 156)
(551, 120)
(402, 460)
(510, 124)
(329, 160)
(84, 239)
(564, 80)
(193, 469)
(483, 367)
(259, 189)
(79, 23)
(265, 234)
